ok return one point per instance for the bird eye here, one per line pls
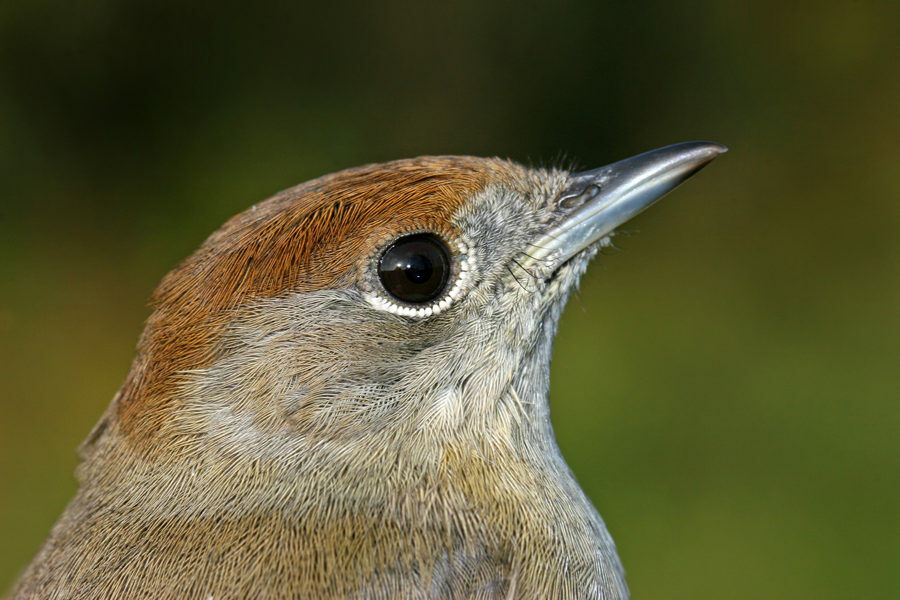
(415, 268)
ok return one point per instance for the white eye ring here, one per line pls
(464, 265)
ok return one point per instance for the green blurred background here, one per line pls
(725, 385)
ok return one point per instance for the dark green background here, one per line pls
(725, 386)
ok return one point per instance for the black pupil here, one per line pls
(415, 268)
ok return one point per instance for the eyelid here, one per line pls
(463, 266)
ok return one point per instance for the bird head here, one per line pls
(375, 323)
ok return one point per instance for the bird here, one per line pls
(343, 393)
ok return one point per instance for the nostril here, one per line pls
(572, 199)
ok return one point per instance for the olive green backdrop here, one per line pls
(725, 385)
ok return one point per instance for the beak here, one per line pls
(597, 201)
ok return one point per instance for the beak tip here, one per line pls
(701, 148)
(699, 153)
(718, 148)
